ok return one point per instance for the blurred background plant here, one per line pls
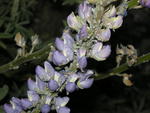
(26, 18)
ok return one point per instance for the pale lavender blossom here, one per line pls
(103, 35)
(31, 84)
(53, 85)
(85, 10)
(74, 22)
(26, 103)
(33, 96)
(59, 43)
(145, 3)
(100, 52)
(58, 58)
(83, 32)
(63, 110)
(70, 87)
(86, 83)
(45, 108)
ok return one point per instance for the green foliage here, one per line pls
(14, 15)
(71, 2)
(1, 109)
(132, 3)
(3, 91)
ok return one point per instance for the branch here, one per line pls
(123, 67)
(29, 57)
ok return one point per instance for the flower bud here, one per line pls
(145, 3)
(115, 22)
(82, 62)
(84, 10)
(20, 40)
(61, 102)
(63, 110)
(70, 87)
(95, 50)
(74, 22)
(26, 103)
(32, 84)
(68, 53)
(59, 78)
(45, 108)
(58, 58)
(53, 85)
(83, 32)
(49, 69)
(59, 44)
(111, 12)
(40, 84)
(8, 108)
(33, 96)
(16, 100)
(103, 35)
(40, 72)
(85, 84)
(100, 53)
(68, 39)
(81, 52)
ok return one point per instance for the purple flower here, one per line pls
(45, 108)
(82, 62)
(40, 72)
(81, 52)
(26, 103)
(84, 10)
(32, 84)
(53, 85)
(63, 110)
(104, 35)
(58, 58)
(16, 100)
(73, 22)
(61, 102)
(145, 3)
(111, 12)
(33, 96)
(59, 44)
(70, 87)
(8, 109)
(68, 53)
(85, 84)
(40, 84)
(115, 22)
(59, 78)
(105, 52)
(68, 40)
(49, 69)
(100, 52)
(83, 32)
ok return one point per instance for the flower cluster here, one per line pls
(66, 68)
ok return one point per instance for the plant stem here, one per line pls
(123, 67)
(29, 57)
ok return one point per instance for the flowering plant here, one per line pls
(65, 70)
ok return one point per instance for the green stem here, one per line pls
(123, 67)
(29, 57)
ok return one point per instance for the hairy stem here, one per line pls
(29, 57)
(123, 67)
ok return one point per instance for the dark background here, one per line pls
(47, 18)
